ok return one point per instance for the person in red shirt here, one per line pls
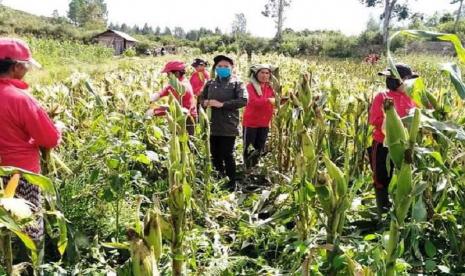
(378, 152)
(258, 113)
(200, 76)
(178, 69)
(25, 126)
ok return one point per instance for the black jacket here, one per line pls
(233, 94)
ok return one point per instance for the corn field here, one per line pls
(141, 198)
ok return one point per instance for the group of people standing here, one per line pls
(25, 126)
(225, 95)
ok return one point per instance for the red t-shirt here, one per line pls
(198, 80)
(188, 100)
(259, 110)
(402, 103)
(24, 127)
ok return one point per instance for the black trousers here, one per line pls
(190, 125)
(378, 155)
(255, 137)
(222, 150)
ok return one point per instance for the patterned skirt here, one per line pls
(31, 193)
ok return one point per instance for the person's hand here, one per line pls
(272, 101)
(150, 112)
(214, 103)
(60, 126)
(154, 97)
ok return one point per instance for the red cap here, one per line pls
(175, 65)
(17, 50)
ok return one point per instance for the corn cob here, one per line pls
(325, 194)
(414, 127)
(396, 136)
(337, 176)
(403, 192)
(143, 259)
(152, 233)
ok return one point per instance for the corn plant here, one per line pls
(180, 177)
(401, 146)
(15, 213)
(144, 240)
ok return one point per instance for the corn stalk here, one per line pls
(181, 173)
(401, 146)
(207, 165)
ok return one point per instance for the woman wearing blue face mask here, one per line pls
(224, 95)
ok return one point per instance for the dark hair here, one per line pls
(392, 84)
(179, 73)
(5, 65)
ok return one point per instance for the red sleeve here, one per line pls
(188, 97)
(196, 83)
(38, 124)
(165, 91)
(254, 100)
(376, 115)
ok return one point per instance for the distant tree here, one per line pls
(136, 29)
(147, 29)
(192, 35)
(179, 32)
(125, 28)
(251, 45)
(55, 14)
(239, 24)
(391, 8)
(218, 31)
(417, 20)
(458, 13)
(373, 24)
(167, 31)
(157, 30)
(88, 12)
(76, 7)
(275, 9)
(447, 17)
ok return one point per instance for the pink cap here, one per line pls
(175, 65)
(17, 50)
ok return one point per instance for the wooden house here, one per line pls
(117, 40)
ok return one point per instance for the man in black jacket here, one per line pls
(224, 95)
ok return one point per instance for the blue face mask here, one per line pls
(223, 72)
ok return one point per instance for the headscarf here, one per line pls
(254, 69)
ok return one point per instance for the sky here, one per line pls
(348, 16)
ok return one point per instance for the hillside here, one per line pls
(22, 23)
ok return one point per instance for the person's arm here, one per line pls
(38, 124)
(376, 115)
(163, 93)
(204, 95)
(254, 101)
(240, 101)
(196, 84)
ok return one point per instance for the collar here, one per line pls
(17, 83)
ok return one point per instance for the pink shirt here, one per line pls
(24, 127)
(402, 103)
(197, 81)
